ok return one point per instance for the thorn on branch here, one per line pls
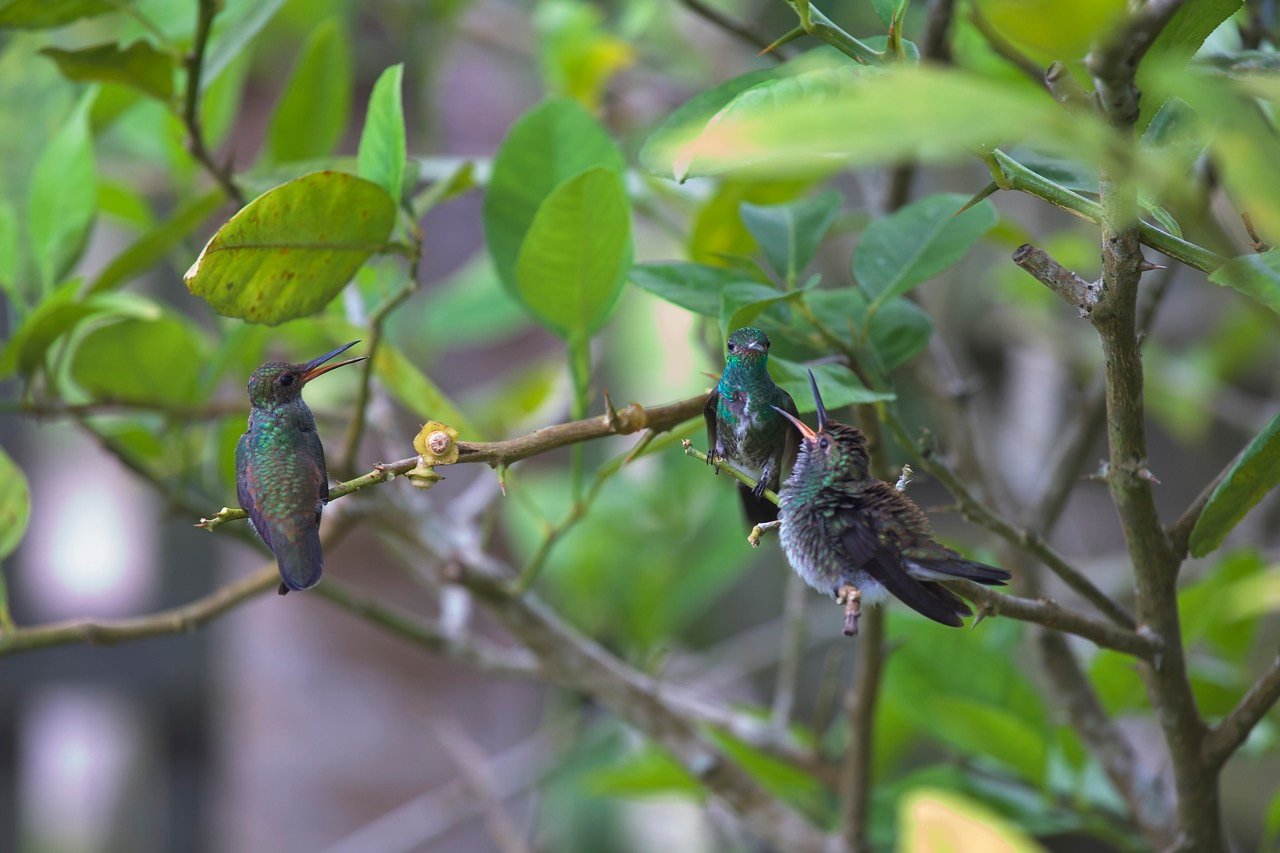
(610, 413)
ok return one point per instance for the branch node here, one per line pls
(753, 538)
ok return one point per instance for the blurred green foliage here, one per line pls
(738, 203)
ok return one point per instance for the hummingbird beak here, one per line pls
(808, 433)
(817, 398)
(317, 367)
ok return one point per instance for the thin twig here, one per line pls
(791, 651)
(1226, 737)
(1004, 48)
(206, 10)
(979, 513)
(1117, 756)
(1050, 614)
(745, 32)
(473, 766)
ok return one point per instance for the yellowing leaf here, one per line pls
(937, 821)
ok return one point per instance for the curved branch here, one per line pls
(1226, 737)
(206, 10)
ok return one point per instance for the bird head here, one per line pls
(833, 448)
(279, 382)
(748, 345)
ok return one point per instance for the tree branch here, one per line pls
(855, 781)
(1114, 62)
(1050, 614)
(1109, 747)
(978, 512)
(633, 418)
(1226, 737)
(206, 10)
(1053, 275)
(744, 32)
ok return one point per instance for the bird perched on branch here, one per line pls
(280, 473)
(856, 537)
(743, 421)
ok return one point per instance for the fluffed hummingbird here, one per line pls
(851, 535)
(743, 421)
(281, 478)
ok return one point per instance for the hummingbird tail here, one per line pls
(956, 568)
(301, 560)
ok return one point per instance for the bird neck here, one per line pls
(746, 373)
(273, 411)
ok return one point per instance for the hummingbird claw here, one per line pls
(851, 597)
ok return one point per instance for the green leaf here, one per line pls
(148, 250)
(235, 26)
(11, 257)
(550, 144)
(1176, 44)
(15, 507)
(418, 393)
(312, 113)
(63, 195)
(916, 243)
(645, 772)
(381, 156)
(56, 315)
(47, 14)
(899, 329)
(694, 287)
(142, 361)
(828, 119)
(1253, 275)
(292, 249)
(838, 384)
(884, 10)
(785, 781)
(789, 234)
(471, 306)
(1254, 473)
(1209, 608)
(575, 258)
(742, 303)
(662, 146)
(139, 66)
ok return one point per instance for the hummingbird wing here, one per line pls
(875, 549)
(791, 444)
(711, 416)
(244, 492)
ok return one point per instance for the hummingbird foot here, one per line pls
(753, 538)
(757, 491)
(851, 597)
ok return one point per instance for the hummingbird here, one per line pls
(745, 422)
(854, 536)
(281, 478)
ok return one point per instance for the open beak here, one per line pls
(800, 425)
(317, 367)
(817, 398)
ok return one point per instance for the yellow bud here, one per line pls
(437, 444)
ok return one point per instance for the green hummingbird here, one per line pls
(856, 537)
(744, 424)
(281, 478)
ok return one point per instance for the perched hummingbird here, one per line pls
(280, 474)
(744, 424)
(857, 537)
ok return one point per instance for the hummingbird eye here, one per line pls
(732, 346)
(286, 379)
(824, 442)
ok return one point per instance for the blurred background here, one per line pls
(290, 724)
